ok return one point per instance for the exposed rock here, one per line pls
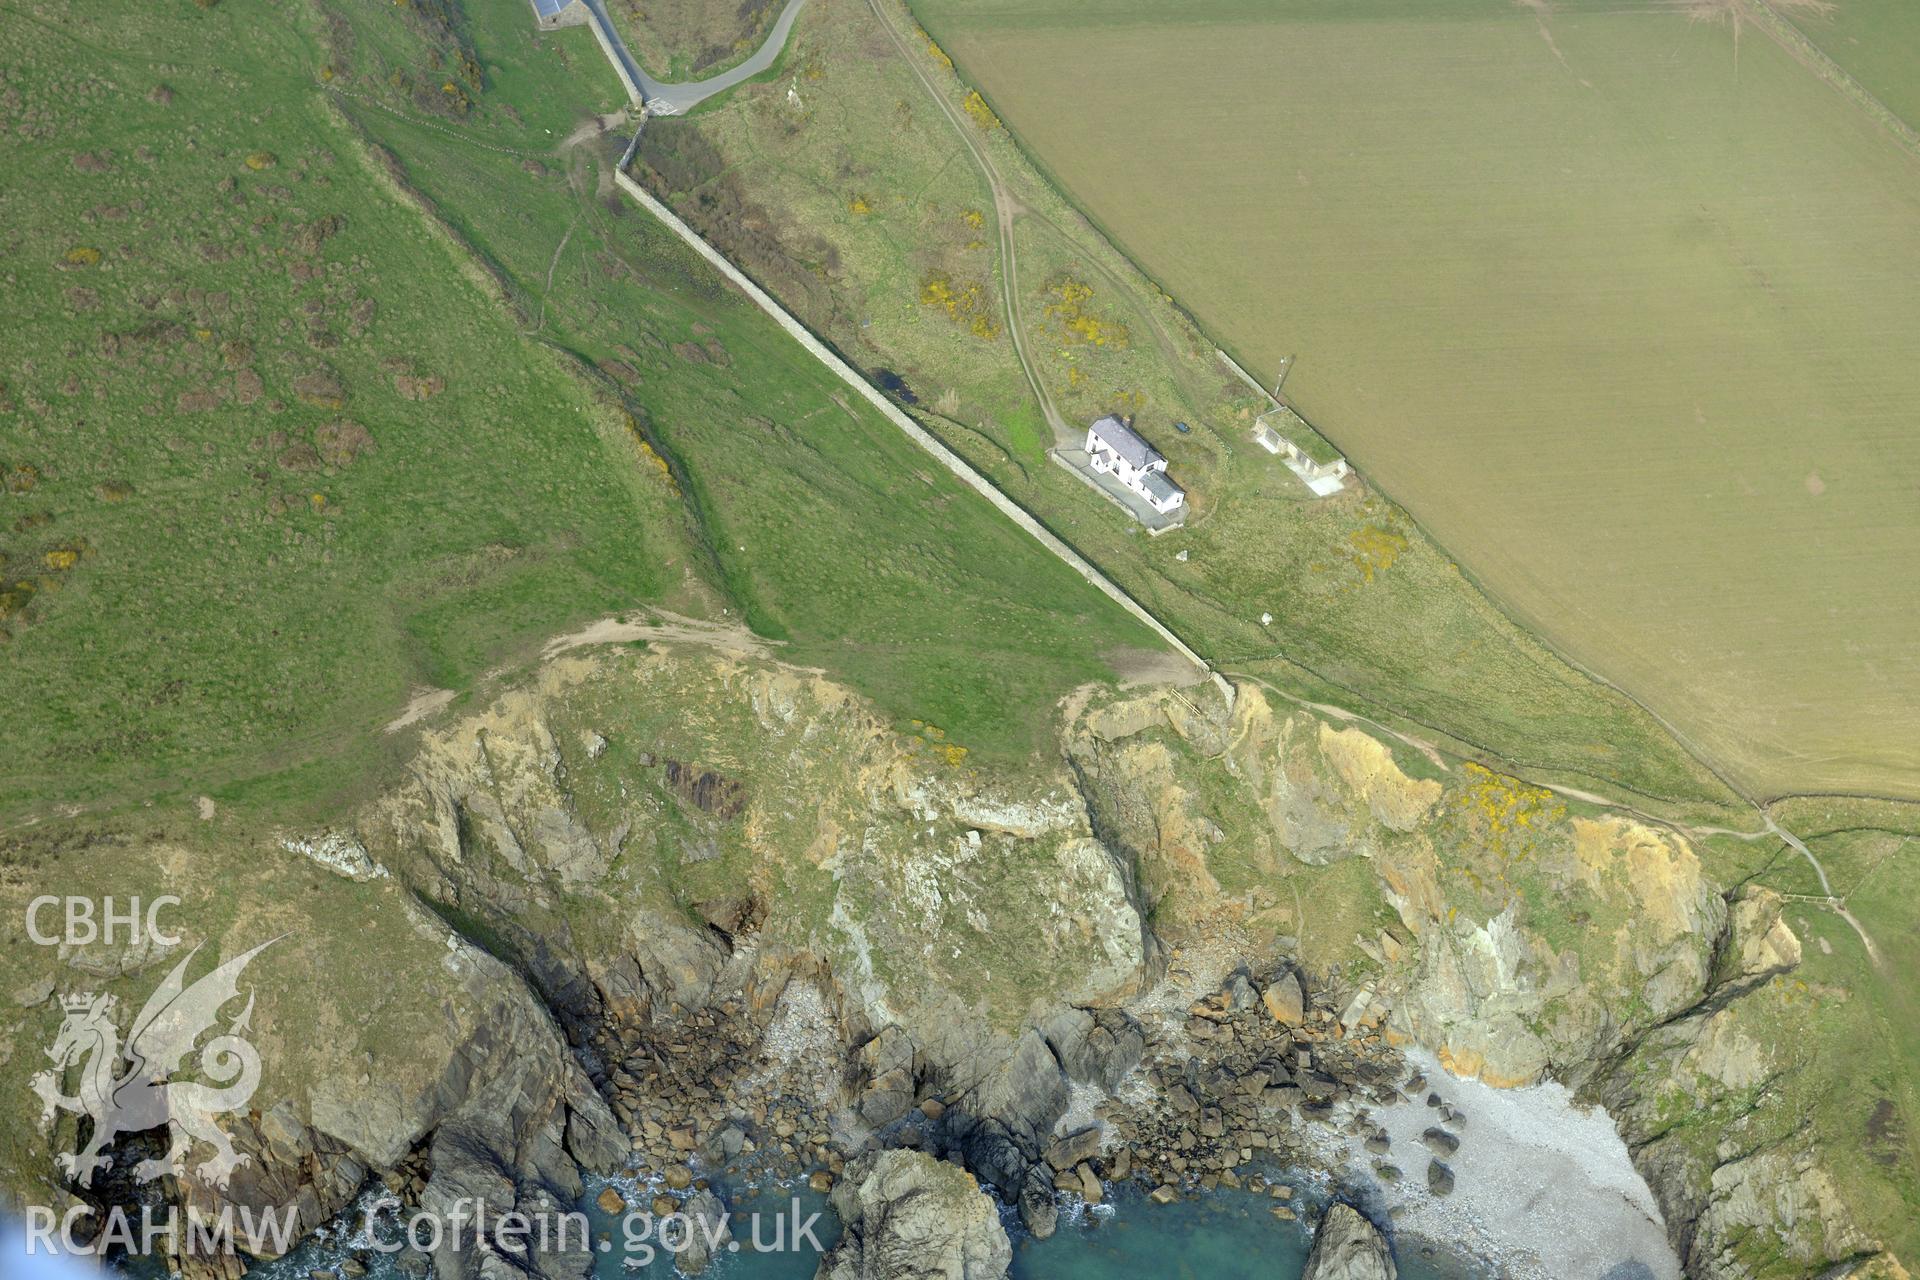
(33, 993)
(1021, 818)
(337, 852)
(890, 1049)
(992, 1154)
(1285, 1001)
(1348, 1247)
(706, 790)
(1239, 991)
(482, 1153)
(908, 1216)
(1095, 1046)
(1039, 1214)
(1767, 946)
(1367, 767)
(707, 1232)
(886, 1099)
(1028, 1093)
(1072, 1149)
(495, 824)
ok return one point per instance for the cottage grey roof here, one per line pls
(550, 8)
(1123, 440)
(1158, 487)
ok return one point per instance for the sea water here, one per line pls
(1222, 1235)
(1546, 1189)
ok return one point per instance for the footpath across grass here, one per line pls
(875, 225)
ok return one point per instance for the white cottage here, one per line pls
(1116, 449)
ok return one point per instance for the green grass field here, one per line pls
(337, 373)
(1856, 1023)
(304, 463)
(1624, 321)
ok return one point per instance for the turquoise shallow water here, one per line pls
(1227, 1235)
(1223, 1236)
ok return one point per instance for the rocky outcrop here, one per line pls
(390, 1048)
(1348, 1247)
(908, 1216)
(588, 818)
(521, 1122)
(696, 862)
(1233, 1090)
(975, 926)
(707, 1231)
(505, 1115)
(1095, 1046)
(1697, 1099)
(1525, 941)
(1027, 1093)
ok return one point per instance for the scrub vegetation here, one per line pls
(1363, 608)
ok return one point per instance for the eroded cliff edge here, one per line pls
(646, 874)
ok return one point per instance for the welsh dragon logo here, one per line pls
(145, 1095)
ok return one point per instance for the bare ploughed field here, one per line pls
(1618, 298)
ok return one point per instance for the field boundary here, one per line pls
(1757, 792)
(953, 462)
(1803, 50)
(1094, 575)
(1733, 795)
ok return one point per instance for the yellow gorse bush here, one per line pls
(965, 304)
(976, 106)
(1375, 549)
(935, 52)
(1069, 307)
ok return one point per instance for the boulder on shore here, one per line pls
(909, 1215)
(1348, 1247)
(706, 1231)
(1285, 1001)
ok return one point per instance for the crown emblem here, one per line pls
(164, 1038)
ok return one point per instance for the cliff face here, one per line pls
(389, 1044)
(627, 827)
(1482, 918)
(661, 839)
